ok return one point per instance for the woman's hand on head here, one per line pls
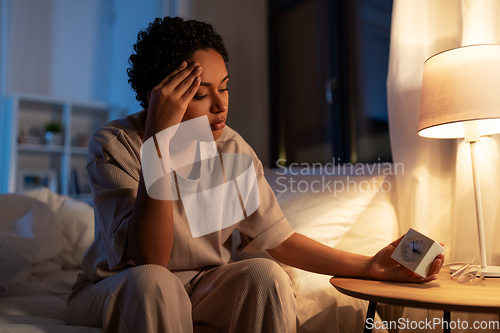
(168, 101)
(383, 267)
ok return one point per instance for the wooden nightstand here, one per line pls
(442, 294)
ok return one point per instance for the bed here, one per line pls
(43, 236)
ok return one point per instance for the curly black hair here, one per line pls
(163, 46)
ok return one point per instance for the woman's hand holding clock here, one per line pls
(383, 267)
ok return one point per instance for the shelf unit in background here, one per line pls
(60, 166)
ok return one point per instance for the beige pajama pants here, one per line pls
(246, 296)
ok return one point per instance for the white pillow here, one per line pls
(324, 207)
(76, 221)
(29, 233)
(375, 228)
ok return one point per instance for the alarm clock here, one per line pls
(417, 252)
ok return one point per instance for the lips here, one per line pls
(219, 124)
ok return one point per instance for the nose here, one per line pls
(219, 104)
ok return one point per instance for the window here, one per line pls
(328, 65)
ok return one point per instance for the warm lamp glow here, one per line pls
(461, 99)
(460, 85)
(456, 130)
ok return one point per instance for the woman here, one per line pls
(145, 271)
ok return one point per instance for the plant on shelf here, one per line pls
(53, 133)
(53, 126)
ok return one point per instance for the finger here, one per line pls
(172, 81)
(187, 83)
(429, 278)
(179, 68)
(436, 264)
(414, 278)
(189, 94)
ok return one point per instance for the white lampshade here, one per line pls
(461, 99)
(461, 85)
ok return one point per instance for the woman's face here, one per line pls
(212, 97)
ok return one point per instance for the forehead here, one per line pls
(214, 67)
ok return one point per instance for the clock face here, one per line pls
(414, 250)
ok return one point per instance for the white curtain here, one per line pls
(435, 193)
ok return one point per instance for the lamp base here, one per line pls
(491, 271)
(487, 271)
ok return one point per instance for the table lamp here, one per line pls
(461, 99)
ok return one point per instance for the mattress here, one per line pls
(38, 304)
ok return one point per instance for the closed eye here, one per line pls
(199, 98)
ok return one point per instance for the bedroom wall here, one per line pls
(74, 49)
(79, 50)
(243, 25)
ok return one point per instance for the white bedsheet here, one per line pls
(39, 303)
